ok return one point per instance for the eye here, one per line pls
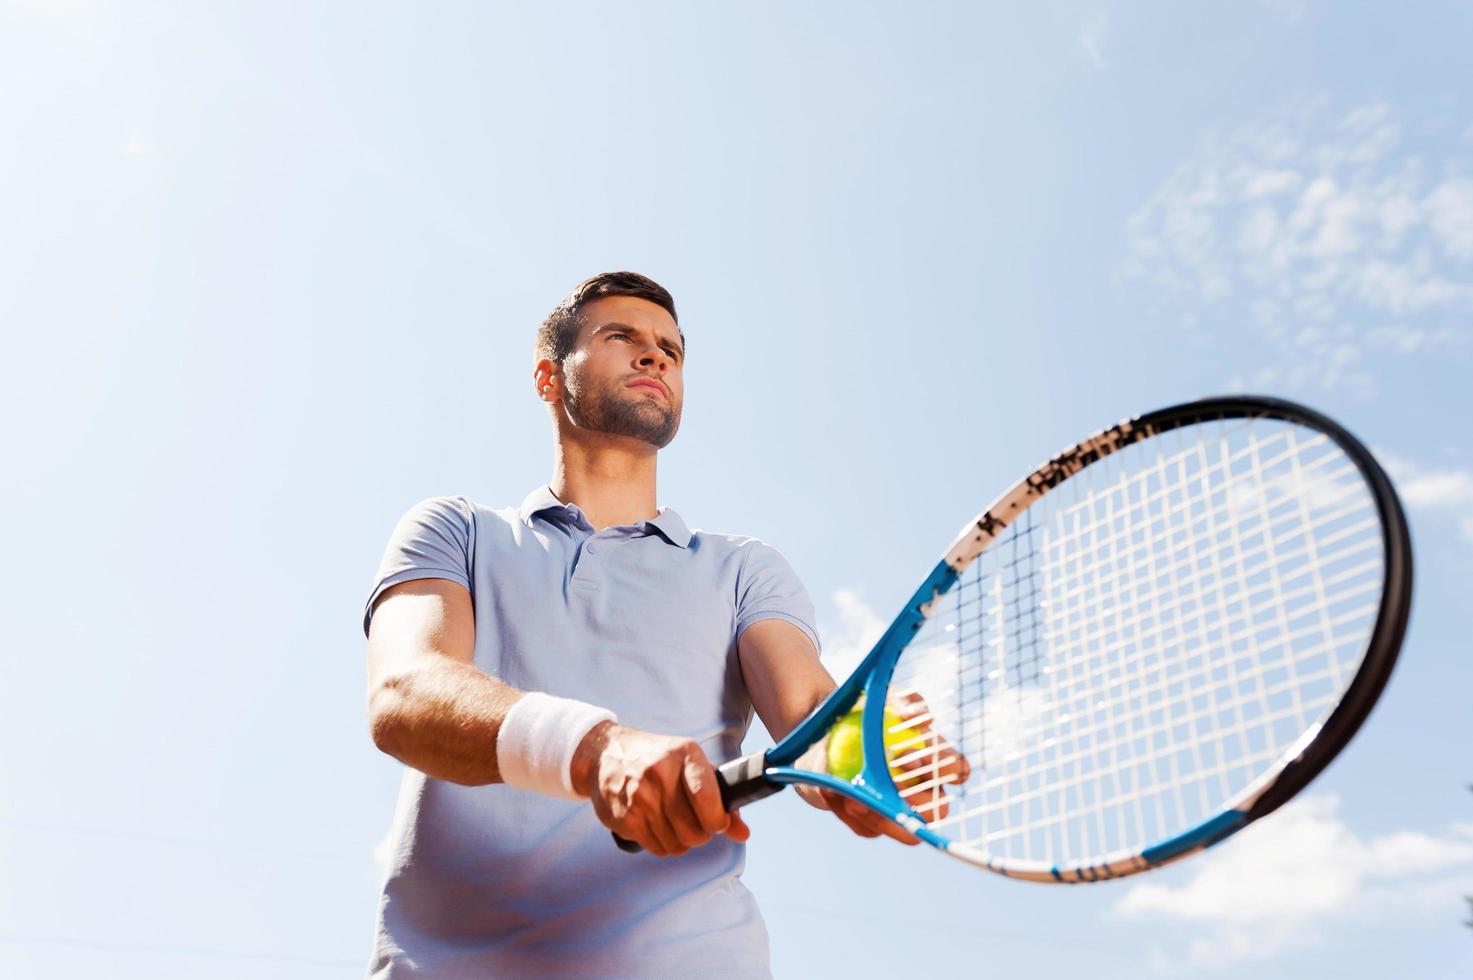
(618, 333)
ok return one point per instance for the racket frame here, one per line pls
(754, 777)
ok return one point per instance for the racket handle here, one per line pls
(741, 781)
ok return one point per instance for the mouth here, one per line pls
(651, 384)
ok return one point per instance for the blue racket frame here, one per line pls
(873, 785)
(754, 777)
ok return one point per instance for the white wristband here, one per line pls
(534, 749)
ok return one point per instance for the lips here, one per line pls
(650, 383)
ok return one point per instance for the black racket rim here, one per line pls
(1365, 688)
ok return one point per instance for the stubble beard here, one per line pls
(617, 411)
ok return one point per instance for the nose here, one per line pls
(654, 357)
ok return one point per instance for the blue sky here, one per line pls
(269, 275)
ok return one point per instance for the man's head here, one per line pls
(613, 355)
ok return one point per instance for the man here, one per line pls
(585, 646)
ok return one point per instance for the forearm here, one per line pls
(783, 675)
(442, 718)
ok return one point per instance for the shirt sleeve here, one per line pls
(768, 588)
(434, 539)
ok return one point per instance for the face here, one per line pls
(624, 377)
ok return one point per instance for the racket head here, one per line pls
(1141, 609)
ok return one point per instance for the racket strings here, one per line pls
(1146, 641)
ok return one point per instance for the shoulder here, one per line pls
(459, 509)
(460, 521)
(748, 558)
(743, 546)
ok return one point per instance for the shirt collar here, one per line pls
(670, 525)
(537, 501)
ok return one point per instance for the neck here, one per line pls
(611, 479)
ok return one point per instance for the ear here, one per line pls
(547, 380)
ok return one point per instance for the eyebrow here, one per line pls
(626, 328)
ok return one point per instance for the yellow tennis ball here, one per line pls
(846, 742)
(900, 740)
(846, 746)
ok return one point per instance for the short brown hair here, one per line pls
(556, 336)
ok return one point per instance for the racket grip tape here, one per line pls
(741, 781)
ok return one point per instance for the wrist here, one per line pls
(538, 740)
(584, 768)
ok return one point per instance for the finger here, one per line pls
(639, 831)
(935, 808)
(859, 818)
(930, 803)
(684, 823)
(911, 708)
(902, 698)
(929, 750)
(896, 832)
(704, 796)
(918, 761)
(886, 827)
(874, 824)
(964, 767)
(931, 757)
(864, 821)
(856, 816)
(859, 826)
(669, 842)
(650, 810)
(737, 828)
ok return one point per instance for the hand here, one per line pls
(856, 816)
(921, 765)
(656, 790)
(926, 763)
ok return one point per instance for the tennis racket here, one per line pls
(1154, 639)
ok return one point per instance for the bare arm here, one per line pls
(784, 677)
(431, 708)
(428, 705)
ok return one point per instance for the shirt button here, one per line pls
(588, 548)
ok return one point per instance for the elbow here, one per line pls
(385, 714)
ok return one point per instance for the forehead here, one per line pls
(630, 311)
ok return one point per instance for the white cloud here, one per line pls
(858, 629)
(1411, 340)
(1321, 222)
(1092, 38)
(1279, 884)
(1444, 491)
(1440, 488)
(1268, 182)
(1450, 206)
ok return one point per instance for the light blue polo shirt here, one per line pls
(490, 881)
